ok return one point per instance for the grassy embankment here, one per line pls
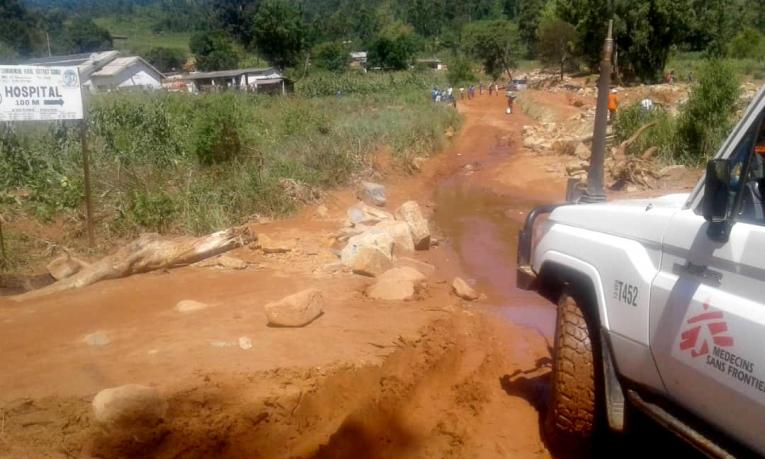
(185, 164)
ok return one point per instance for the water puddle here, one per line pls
(483, 229)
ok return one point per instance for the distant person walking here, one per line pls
(462, 93)
(480, 87)
(613, 105)
(510, 100)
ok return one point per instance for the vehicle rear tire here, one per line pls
(571, 413)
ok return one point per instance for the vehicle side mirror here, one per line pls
(717, 205)
(717, 202)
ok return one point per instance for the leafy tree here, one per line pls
(747, 44)
(495, 43)
(529, 12)
(235, 17)
(279, 33)
(713, 26)
(84, 36)
(7, 53)
(15, 26)
(644, 30)
(460, 72)
(707, 117)
(556, 40)
(394, 48)
(213, 51)
(332, 56)
(166, 59)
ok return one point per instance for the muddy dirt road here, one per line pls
(432, 378)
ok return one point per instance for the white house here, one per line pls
(106, 71)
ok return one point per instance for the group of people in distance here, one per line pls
(447, 95)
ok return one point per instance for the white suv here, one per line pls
(661, 304)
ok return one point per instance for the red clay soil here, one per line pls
(431, 378)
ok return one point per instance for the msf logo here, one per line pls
(704, 329)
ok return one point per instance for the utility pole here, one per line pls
(595, 191)
(47, 39)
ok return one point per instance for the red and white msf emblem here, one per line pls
(708, 326)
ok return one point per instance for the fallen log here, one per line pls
(149, 252)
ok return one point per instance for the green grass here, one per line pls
(685, 64)
(180, 164)
(140, 37)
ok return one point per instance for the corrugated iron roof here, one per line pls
(120, 64)
(228, 73)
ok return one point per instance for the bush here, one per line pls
(706, 119)
(748, 43)
(331, 56)
(218, 130)
(662, 135)
(460, 72)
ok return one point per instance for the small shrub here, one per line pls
(661, 136)
(152, 211)
(218, 131)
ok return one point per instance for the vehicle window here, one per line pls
(749, 166)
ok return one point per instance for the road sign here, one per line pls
(32, 93)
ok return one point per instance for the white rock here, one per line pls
(400, 233)
(297, 310)
(245, 343)
(370, 261)
(374, 192)
(97, 339)
(463, 290)
(375, 238)
(361, 213)
(403, 273)
(190, 306)
(410, 213)
(129, 405)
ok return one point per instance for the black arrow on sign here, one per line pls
(54, 102)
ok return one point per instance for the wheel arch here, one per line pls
(560, 270)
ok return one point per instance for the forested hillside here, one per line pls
(290, 33)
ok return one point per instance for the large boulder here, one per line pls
(373, 192)
(399, 232)
(425, 268)
(410, 213)
(369, 253)
(397, 284)
(296, 310)
(129, 405)
(463, 290)
(371, 261)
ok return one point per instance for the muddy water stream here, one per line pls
(482, 227)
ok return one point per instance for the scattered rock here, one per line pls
(463, 290)
(268, 245)
(371, 261)
(65, 266)
(399, 232)
(97, 339)
(425, 268)
(245, 343)
(297, 310)
(397, 284)
(410, 213)
(190, 306)
(227, 261)
(369, 253)
(374, 192)
(129, 405)
(322, 211)
(363, 214)
(582, 152)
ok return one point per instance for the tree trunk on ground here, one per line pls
(149, 252)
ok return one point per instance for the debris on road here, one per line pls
(410, 213)
(271, 246)
(296, 310)
(463, 290)
(65, 266)
(148, 253)
(374, 192)
(129, 405)
(397, 284)
(96, 339)
(185, 306)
